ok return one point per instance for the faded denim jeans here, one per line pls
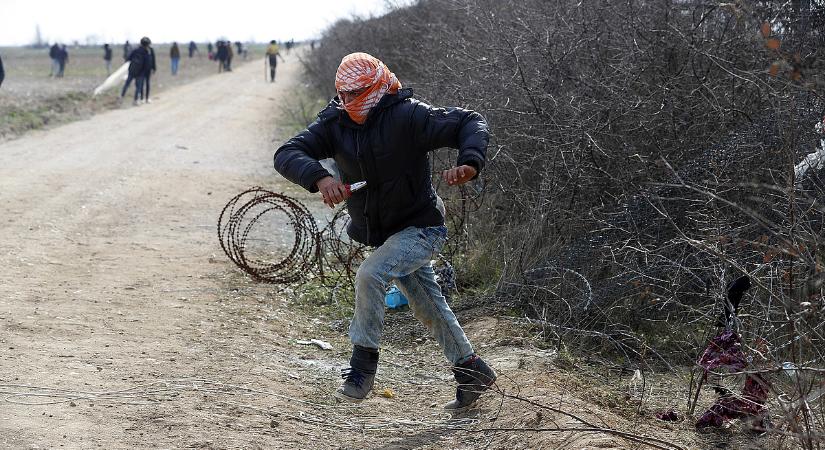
(405, 259)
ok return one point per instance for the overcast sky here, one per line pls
(173, 20)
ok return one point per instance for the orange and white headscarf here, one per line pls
(362, 71)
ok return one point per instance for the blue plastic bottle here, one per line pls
(394, 298)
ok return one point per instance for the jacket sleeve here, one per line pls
(452, 127)
(297, 159)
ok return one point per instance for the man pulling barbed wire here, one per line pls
(378, 134)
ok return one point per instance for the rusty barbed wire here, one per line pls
(328, 254)
(339, 254)
(242, 218)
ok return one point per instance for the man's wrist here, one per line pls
(472, 163)
(322, 181)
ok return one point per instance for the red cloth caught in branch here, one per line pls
(728, 406)
(725, 352)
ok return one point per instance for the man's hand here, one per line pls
(459, 175)
(332, 190)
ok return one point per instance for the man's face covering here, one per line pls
(361, 82)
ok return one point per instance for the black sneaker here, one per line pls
(474, 377)
(360, 377)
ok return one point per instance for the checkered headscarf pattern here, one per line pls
(363, 71)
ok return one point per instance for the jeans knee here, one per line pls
(368, 278)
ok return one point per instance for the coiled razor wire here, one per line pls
(249, 215)
(251, 224)
(251, 231)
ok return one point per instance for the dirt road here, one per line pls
(122, 325)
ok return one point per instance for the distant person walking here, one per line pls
(107, 57)
(229, 55)
(127, 51)
(150, 68)
(174, 57)
(62, 60)
(221, 54)
(54, 54)
(210, 50)
(138, 62)
(273, 52)
(193, 48)
(2, 72)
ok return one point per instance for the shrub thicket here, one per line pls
(643, 155)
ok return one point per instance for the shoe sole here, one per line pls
(464, 408)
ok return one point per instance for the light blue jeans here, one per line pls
(405, 258)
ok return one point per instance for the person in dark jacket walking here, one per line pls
(62, 60)
(174, 57)
(273, 53)
(138, 62)
(221, 54)
(193, 47)
(150, 68)
(127, 51)
(54, 54)
(378, 133)
(2, 72)
(107, 57)
(229, 55)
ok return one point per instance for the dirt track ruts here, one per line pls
(110, 265)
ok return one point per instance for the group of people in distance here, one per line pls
(223, 54)
(60, 57)
(174, 55)
(142, 61)
(142, 64)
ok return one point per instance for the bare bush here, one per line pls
(643, 156)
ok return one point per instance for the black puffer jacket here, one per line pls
(390, 151)
(139, 62)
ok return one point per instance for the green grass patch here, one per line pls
(333, 298)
